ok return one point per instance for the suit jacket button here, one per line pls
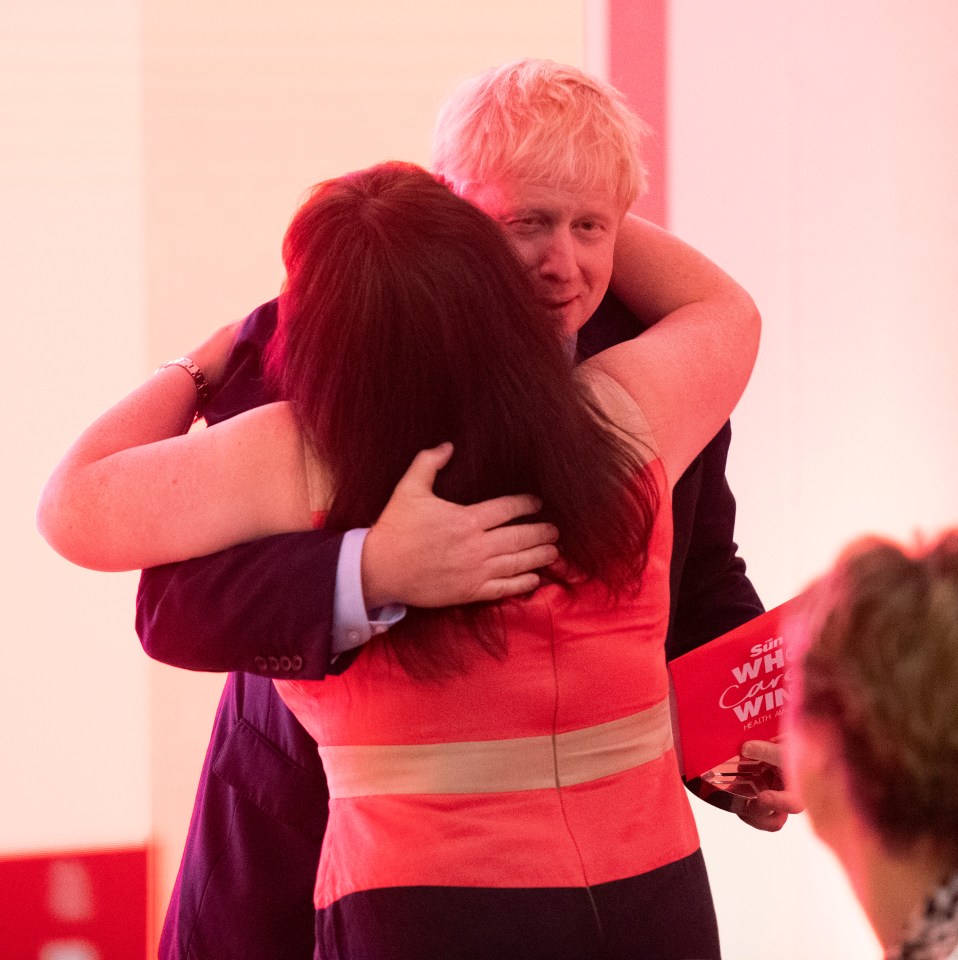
(260, 663)
(285, 663)
(297, 663)
(273, 663)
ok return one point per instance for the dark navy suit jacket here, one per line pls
(264, 610)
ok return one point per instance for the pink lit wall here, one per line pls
(74, 710)
(812, 152)
(153, 151)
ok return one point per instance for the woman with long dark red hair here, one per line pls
(502, 775)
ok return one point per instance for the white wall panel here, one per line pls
(813, 154)
(74, 707)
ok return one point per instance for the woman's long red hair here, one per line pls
(406, 321)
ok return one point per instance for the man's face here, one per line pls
(565, 238)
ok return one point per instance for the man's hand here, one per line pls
(428, 552)
(770, 809)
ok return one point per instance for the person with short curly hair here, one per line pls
(874, 734)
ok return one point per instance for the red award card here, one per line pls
(728, 691)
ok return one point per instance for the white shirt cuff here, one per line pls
(353, 625)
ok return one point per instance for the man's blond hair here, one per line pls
(540, 122)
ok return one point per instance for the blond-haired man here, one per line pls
(552, 155)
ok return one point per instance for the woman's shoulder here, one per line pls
(276, 428)
(271, 430)
(266, 446)
(616, 403)
(276, 416)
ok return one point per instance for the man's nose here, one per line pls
(559, 257)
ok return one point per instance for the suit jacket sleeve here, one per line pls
(263, 607)
(711, 592)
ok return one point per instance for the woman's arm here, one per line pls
(654, 273)
(688, 370)
(125, 496)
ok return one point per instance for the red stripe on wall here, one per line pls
(637, 66)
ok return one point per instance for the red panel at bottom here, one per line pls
(89, 905)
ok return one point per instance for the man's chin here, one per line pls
(568, 316)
